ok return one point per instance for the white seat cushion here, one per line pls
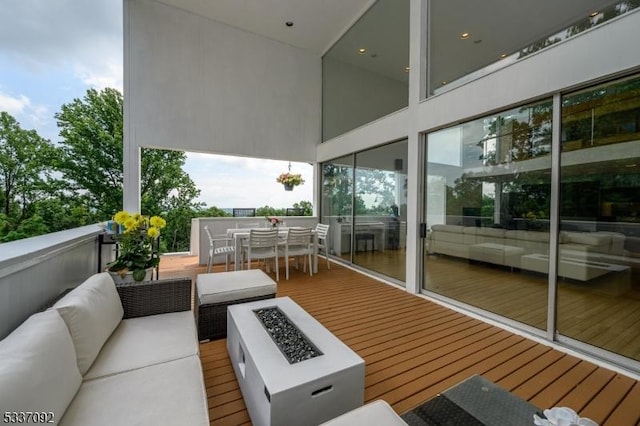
(171, 393)
(224, 287)
(38, 369)
(144, 341)
(375, 413)
(92, 311)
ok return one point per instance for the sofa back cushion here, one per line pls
(38, 369)
(92, 311)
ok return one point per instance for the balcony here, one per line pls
(413, 347)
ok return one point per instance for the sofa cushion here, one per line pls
(447, 228)
(171, 393)
(38, 369)
(378, 412)
(534, 236)
(491, 232)
(587, 238)
(92, 311)
(144, 341)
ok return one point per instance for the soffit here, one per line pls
(317, 23)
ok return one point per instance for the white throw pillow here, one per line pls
(92, 311)
(38, 369)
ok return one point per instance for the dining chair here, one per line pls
(298, 243)
(322, 232)
(226, 249)
(262, 244)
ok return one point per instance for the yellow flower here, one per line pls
(136, 252)
(158, 222)
(130, 223)
(121, 217)
(153, 232)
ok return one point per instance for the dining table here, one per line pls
(240, 235)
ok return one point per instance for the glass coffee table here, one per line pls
(474, 402)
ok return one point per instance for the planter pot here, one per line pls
(128, 277)
(288, 187)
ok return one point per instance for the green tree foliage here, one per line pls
(26, 161)
(269, 211)
(305, 208)
(92, 160)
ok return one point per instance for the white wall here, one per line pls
(35, 270)
(199, 85)
(355, 96)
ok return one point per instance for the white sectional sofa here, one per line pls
(80, 363)
(584, 255)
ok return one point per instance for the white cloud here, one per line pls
(85, 35)
(227, 181)
(28, 114)
(13, 105)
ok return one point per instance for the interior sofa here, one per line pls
(103, 355)
(584, 255)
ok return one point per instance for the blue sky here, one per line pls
(52, 51)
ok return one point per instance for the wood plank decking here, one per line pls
(414, 349)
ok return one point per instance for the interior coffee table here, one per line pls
(291, 370)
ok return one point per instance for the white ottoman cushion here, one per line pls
(92, 311)
(38, 369)
(375, 413)
(224, 287)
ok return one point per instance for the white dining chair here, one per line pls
(262, 244)
(225, 248)
(322, 232)
(297, 243)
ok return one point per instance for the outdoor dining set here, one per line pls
(248, 242)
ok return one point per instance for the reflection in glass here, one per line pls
(487, 212)
(599, 242)
(380, 222)
(373, 234)
(494, 42)
(359, 86)
(337, 201)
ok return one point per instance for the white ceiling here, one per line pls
(317, 23)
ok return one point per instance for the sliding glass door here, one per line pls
(364, 201)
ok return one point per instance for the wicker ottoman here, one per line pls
(217, 291)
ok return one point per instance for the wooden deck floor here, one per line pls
(414, 349)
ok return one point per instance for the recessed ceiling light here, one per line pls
(362, 51)
(444, 82)
(406, 69)
(504, 55)
(465, 36)
(594, 14)
(289, 24)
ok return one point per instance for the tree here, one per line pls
(305, 208)
(25, 177)
(92, 159)
(269, 211)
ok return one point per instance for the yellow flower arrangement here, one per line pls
(136, 253)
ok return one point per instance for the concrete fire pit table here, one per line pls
(318, 379)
